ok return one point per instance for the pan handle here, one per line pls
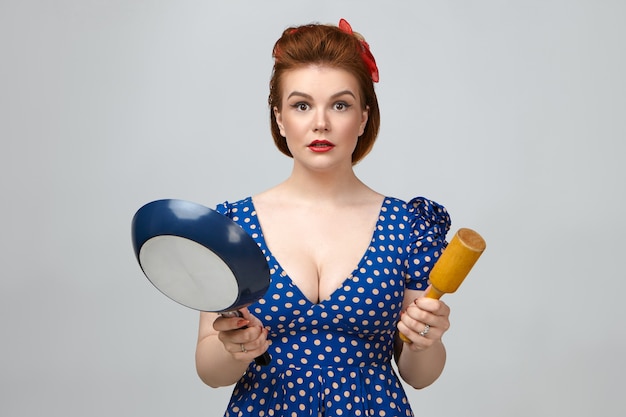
(265, 358)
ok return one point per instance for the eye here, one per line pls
(341, 106)
(301, 106)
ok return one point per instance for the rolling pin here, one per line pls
(454, 264)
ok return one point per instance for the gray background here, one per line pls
(510, 113)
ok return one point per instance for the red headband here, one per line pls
(366, 54)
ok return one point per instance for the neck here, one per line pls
(317, 186)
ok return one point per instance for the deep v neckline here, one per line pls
(283, 273)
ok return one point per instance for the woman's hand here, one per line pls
(244, 338)
(424, 322)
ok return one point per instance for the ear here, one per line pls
(364, 118)
(279, 121)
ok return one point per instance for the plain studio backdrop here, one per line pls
(512, 114)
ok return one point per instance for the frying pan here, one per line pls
(199, 258)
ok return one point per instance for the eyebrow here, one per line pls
(308, 96)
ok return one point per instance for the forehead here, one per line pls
(319, 81)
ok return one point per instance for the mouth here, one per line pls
(321, 146)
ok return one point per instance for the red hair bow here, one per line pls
(366, 54)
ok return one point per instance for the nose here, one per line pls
(321, 122)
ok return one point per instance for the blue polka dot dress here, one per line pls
(334, 358)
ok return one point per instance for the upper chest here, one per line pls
(318, 248)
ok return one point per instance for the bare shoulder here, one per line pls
(272, 195)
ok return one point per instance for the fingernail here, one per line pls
(242, 322)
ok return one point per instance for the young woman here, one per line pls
(348, 265)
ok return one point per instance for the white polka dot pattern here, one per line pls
(333, 358)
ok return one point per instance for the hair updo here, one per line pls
(317, 44)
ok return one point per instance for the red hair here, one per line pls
(317, 44)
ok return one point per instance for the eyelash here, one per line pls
(345, 105)
(299, 104)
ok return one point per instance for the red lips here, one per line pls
(321, 146)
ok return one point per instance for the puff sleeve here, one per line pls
(430, 223)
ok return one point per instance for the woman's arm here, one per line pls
(220, 358)
(421, 362)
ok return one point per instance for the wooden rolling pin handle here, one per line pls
(432, 292)
(454, 264)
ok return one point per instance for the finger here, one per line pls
(416, 342)
(223, 324)
(417, 313)
(254, 321)
(436, 307)
(258, 343)
(410, 326)
(252, 336)
(249, 348)
(416, 324)
(417, 319)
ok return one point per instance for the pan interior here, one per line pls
(189, 273)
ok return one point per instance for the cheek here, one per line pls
(350, 135)
(294, 127)
(353, 129)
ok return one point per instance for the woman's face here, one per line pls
(321, 115)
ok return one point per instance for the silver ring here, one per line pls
(424, 332)
(243, 348)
